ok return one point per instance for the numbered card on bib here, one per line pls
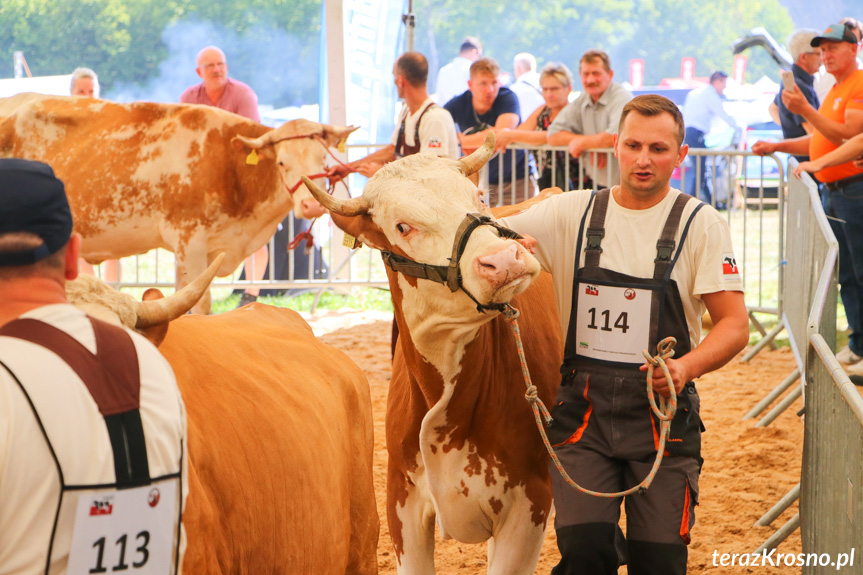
(613, 322)
(129, 531)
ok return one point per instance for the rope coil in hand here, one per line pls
(664, 412)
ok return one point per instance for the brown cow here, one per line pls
(464, 451)
(195, 180)
(280, 440)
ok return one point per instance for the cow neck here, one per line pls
(433, 346)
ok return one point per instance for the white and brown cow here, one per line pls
(464, 451)
(195, 180)
(280, 436)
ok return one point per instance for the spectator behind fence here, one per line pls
(526, 85)
(839, 118)
(422, 125)
(701, 106)
(824, 80)
(221, 91)
(590, 120)
(556, 82)
(807, 60)
(452, 79)
(609, 257)
(90, 413)
(85, 83)
(485, 106)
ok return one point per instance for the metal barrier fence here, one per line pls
(811, 250)
(756, 230)
(831, 504)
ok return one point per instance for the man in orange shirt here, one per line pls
(839, 118)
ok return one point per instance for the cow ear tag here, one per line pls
(252, 158)
(351, 242)
(341, 146)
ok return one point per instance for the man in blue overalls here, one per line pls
(633, 265)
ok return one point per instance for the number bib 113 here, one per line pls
(613, 323)
(125, 531)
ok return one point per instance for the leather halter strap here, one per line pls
(450, 275)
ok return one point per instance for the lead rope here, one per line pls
(664, 413)
(331, 186)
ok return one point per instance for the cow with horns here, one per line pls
(263, 496)
(195, 180)
(464, 451)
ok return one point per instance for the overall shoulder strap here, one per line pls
(112, 377)
(596, 229)
(665, 244)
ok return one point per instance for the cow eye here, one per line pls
(403, 228)
(281, 164)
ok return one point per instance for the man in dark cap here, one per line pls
(90, 411)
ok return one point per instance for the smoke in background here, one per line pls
(281, 69)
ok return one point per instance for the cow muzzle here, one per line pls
(450, 275)
(503, 268)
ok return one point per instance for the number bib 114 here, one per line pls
(125, 531)
(613, 323)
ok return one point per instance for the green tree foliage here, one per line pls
(120, 39)
(659, 31)
(125, 40)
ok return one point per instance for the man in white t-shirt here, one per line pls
(452, 78)
(423, 127)
(92, 425)
(632, 266)
(526, 85)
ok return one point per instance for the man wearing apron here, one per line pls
(92, 426)
(422, 126)
(631, 266)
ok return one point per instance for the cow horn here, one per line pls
(161, 311)
(255, 143)
(349, 208)
(472, 164)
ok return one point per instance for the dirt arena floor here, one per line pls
(746, 469)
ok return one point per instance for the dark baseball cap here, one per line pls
(837, 33)
(33, 200)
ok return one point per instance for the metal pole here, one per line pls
(410, 21)
(781, 535)
(18, 63)
(780, 507)
(782, 406)
(771, 397)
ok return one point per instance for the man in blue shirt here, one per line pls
(699, 109)
(807, 60)
(485, 105)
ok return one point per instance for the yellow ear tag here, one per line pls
(252, 158)
(351, 242)
(341, 146)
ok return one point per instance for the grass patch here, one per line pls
(358, 298)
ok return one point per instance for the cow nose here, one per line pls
(312, 208)
(501, 265)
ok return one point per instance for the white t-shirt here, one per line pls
(629, 247)
(452, 80)
(437, 130)
(29, 485)
(529, 94)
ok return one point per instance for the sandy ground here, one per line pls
(746, 471)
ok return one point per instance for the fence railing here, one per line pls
(831, 504)
(756, 231)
